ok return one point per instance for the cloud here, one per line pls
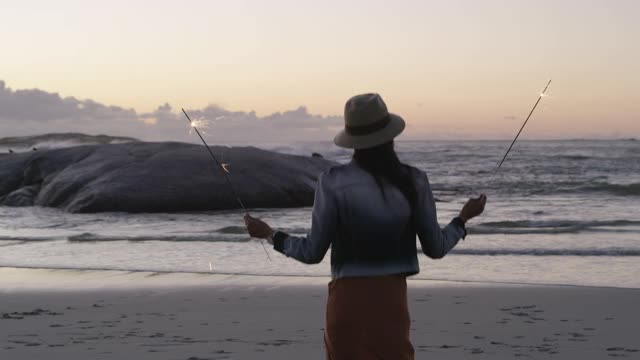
(225, 125)
(34, 111)
(37, 106)
(296, 124)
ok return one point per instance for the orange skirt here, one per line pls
(368, 318)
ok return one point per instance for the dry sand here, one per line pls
(66, 314)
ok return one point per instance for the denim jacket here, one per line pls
(370, 231)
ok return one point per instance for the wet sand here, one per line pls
(66, 314)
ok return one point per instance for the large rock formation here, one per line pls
(156, 177)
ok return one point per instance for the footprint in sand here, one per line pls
(619, 351)
(21, 315)
(575, 336)
(276, 343)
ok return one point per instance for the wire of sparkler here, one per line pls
(224, 172)
(524, 124)
(217, 162)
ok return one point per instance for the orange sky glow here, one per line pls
(469, 69)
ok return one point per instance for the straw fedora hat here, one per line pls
(368, 123)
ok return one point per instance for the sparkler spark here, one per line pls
(200, 123)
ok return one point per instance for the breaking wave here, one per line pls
(554, 227)
(612, 251)
(57, 141)
(90, 237)
(617, 189)
(241, 230)
(225, 234)
(239, 233)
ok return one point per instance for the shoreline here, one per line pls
(80, 314)
(33, 278)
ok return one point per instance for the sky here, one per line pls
(279, 70)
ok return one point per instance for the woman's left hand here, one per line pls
(258, 228)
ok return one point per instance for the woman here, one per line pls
(369, 211)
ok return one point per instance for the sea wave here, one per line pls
(239, 233)
(224, 234)
(553, 227)
(29, 239)
(611, 251)
(91, 237)
(521, 186)
(618, 189)
(57, 141)
(242, 230)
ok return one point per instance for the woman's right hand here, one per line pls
(473, 207)
(258, 228)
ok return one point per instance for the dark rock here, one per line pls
(24, 196)
(316, 155)
(156, 177)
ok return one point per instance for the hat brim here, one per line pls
(394, 128)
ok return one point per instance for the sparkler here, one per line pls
(542, 94)
(225, 171)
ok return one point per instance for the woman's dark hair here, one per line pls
(383, 164)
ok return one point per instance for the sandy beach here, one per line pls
(68, 314)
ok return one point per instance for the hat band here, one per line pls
(368, 129)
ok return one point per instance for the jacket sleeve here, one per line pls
(436, 242)
(312, 248)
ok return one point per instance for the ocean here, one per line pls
(558, 212)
